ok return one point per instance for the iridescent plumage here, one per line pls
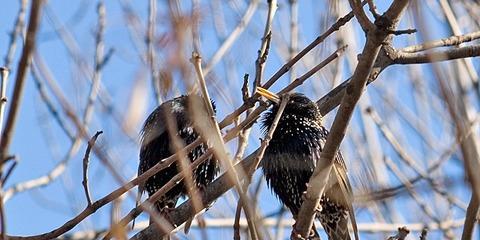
(156, 146)
(290, 160)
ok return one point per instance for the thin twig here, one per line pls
(259, 69)
(3, 95)
(99, 63)
(265, 45)
(119, 232)
(244, 134)
(232, 37)
(458, 110)
(242, 146)
(410, 161)
(437, 56)
(258, 158)
(74, 52)
(219, 144)
(422, 204)
(293, 34)
(109, 198)
(300, 80)
(3, 224)
(373, 9)
(236, 222)
(268, 137)
(83, 132)
(60, 167)
(15, 33)
(403, 32)
(86, 159)
(445, 42)
(151, 56)
(183, 162)
(380, 194)
(8, 172)
(286, 67)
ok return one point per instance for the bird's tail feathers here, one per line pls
(337, 232)
(347, 194)
(137, 201)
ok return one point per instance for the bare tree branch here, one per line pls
(471, 217)
(15, 33)
(437, 56)
(3, 94)
(445, 42)
(232, 37)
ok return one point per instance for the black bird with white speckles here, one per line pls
(291, 157)
(156, 145)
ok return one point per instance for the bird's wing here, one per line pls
(340, 172)
(153, 127)
(342, 178)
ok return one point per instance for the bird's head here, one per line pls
(179, 108)
(182, 104)
(298, 107)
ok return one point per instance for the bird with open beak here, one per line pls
(291, 158)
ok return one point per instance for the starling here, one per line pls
(291, 157)
(156, 145)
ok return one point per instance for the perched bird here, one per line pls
(291, 157)
(156, 145)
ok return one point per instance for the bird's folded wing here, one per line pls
(342, 178)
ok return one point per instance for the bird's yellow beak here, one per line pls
(268, 95)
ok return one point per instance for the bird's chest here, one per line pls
(295, 146)
(297, 135)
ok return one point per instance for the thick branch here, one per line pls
(471, 217)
